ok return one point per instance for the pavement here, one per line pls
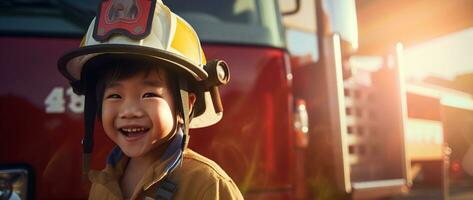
(457, 192)
(461, 192)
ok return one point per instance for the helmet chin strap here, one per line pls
(184, 97)
(90, 112)
(183, 108)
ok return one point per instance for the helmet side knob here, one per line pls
(219, 74)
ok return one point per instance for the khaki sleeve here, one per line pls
(99, 191)
(222, 190)
(93, 193)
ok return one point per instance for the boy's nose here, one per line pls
(131, 110)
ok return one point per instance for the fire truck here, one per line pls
(294, 127)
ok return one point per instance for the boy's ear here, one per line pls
(192, 100)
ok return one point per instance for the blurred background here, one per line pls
(437, 37)
(328, 99)
(429, 42)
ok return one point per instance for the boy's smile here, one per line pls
(138, 112)
(133, 133)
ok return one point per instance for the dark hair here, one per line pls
(104, 69)
(108, 68)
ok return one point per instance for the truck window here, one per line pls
(253, 22)
(46, 18)
(301, 27)
(301, 30)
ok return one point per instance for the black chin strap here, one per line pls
(90, 112)
(184, 96)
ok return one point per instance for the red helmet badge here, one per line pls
(131, 18)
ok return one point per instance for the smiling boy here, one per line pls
(147, 81)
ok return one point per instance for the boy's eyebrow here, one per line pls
(113, 85)
(153, 83)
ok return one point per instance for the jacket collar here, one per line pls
(117, 162)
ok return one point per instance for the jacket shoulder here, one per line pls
(201, 164)
(202, 178)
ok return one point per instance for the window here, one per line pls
(347, 92)
(254, 22)
(360, 130)
(351, 149)
(48, 18)
(350, 129)
(349, 111)
(301, 30)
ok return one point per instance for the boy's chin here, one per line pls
(139, 152)
(133, 153)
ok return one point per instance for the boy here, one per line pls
(144, 74)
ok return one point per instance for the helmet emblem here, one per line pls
(131, 18)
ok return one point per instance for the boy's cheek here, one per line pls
(108, 110)
(107, 120)
(111, 133)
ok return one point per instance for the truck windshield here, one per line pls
(232, 21)
(254, 22)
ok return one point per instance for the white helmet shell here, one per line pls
(171, 39)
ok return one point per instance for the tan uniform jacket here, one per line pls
(197, 178)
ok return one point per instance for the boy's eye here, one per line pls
(113, 96)
(149, 94)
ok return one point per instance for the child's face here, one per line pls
(138, 111)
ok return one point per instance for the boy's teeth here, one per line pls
(132, 130)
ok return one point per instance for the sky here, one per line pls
(445, 57)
